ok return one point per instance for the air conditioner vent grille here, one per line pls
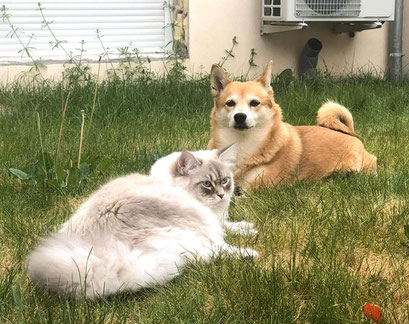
(328, 8)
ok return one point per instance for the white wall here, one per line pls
(213, 24)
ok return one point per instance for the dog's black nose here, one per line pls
(240, 118)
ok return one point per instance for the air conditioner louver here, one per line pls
(327, 8)
(344, 15)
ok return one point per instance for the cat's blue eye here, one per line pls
(206, 184)
(225, 181)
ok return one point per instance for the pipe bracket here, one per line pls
(396, 54)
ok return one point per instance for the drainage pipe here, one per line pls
(309, 58)
(396, 42)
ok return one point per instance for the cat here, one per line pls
(163, 169)
(138, 231)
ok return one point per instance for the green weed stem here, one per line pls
(60, 135)
(81, 137)
(58, 43)
(106, 52)
(41, 144)
(14, 32)
(230, 52)
(94, 100)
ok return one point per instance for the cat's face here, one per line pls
(209, 181)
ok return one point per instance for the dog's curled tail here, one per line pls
(335, 116)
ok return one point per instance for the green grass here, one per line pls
(325, 248)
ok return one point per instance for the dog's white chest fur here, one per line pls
(248, 142)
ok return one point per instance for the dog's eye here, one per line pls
(206, 184)
(225, 180)
(230, 103)
(254, 103)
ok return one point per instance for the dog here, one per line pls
(270, 151)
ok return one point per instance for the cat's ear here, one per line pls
(186, 163)
(228, 155)
(218, 80)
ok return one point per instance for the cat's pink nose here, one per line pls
(221, 196)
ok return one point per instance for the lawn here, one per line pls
(326, 248)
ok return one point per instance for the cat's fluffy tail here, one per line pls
(73, 265)
(97, 265)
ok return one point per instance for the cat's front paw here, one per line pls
(242, 228)
(250, 231)
(244, 225)
(249, 253)
(239, 252)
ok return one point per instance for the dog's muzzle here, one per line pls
(240, 121)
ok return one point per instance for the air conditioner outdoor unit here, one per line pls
(347, 15)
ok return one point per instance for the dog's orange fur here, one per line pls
(273, 151)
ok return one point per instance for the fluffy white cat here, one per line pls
(138, 231)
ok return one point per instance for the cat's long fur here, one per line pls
(135, 231)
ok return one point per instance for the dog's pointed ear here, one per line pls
(228, 155)
(218, 80)
(265, 79)
(186, 163)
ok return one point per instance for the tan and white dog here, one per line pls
(271, 151)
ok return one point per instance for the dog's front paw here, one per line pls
(238, 191)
